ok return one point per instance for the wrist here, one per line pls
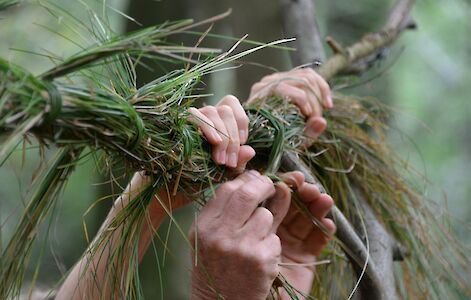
(200, 289)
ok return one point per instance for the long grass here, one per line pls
(90, 102)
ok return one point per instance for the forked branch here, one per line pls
(371, 44)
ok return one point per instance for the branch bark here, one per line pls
(372, 43)
(346, 233)
(299, 22)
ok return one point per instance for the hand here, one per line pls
(237, 249)
(226, 128)
(302, 241)
(305, 88)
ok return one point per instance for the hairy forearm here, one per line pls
(91, 277)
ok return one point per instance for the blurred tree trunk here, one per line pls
(258, 19)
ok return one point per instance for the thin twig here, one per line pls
(370, 43)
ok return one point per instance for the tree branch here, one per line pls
(299, 22)
(379, 282)
(371, 44)
(351, 242)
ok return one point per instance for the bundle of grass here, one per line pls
(354, 162)
(100, 108)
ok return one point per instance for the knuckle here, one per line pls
(266, 179)
(235, 140)
(209, 110)
(247, 193)
(265, 216)
(275, 239)
(308, 71)
(268, 77)
(231, 99)
(227, 188)
(224, 143)
(234, 143)
(220, 245)
(224, 110)
(256, 86)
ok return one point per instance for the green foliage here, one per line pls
(4, 4)
(89, 103)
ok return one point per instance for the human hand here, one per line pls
(226, 128)
(302, 241)
(305, 88)
(237, 249)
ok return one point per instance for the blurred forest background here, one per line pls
(425, 79)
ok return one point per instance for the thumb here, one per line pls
(279, 204)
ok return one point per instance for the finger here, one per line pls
(309, 193)
(232, 150)
(307, 80)
(318, 83)
(300, 227)
(315, 126)
(246, 153)
(326, 93)
(279, 204)
(239, 114)
(296, 95)
(317, 240)
(219, 150)
(329, 225)
(294, 179)
(272, 247)
(259, 224)
(321, 206)
(216, 204)
(312, 92)
(293, 213)
(243, 202)
(206, 126)
(257, 91)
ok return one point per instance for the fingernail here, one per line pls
(242, 136)
(232, 160)
(216, 137)
(318, 126)
(221, 157)
(330, 102)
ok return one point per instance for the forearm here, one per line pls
(92, 276)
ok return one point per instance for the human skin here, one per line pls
(89, 277)
(303, 87)
(238, 250)
(225, 127)
(302, 241)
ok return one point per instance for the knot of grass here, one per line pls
(275, 126)
(148, 131)
(55, 101)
